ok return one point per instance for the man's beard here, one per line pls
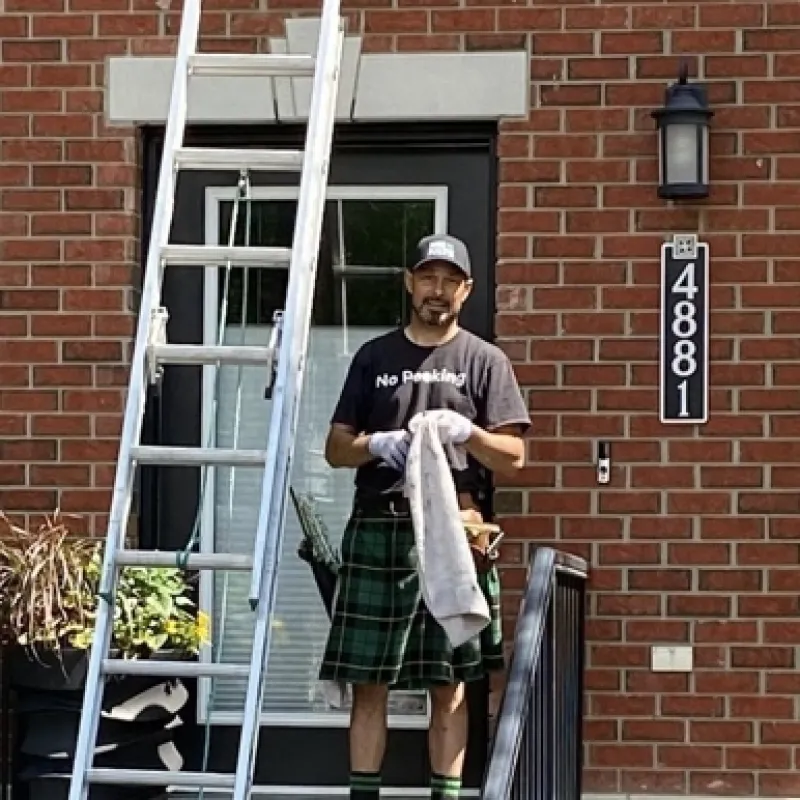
(436, 316)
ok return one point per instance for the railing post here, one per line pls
(537, 749)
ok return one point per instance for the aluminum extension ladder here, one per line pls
(285, 361)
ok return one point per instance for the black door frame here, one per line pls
(165, 500)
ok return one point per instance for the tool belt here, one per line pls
(483, 537)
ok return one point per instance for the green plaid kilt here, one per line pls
(381, 631)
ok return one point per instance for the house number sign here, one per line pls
(683, 373)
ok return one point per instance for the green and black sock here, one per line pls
(444, 788)
(365, 785)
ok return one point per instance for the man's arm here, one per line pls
(345, 448)
(501, 450)
(499, 445)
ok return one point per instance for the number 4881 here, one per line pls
(684, 326)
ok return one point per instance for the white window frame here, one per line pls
(214, 197)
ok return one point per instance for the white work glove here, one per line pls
(390, 447)
(453, 428)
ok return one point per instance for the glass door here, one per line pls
(368, 240)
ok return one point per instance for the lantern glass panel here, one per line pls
(704, 179)
(681, 153)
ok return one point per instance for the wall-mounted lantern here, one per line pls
(683, 125)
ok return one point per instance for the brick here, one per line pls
(720, 731)
(763, 657)
(627, 43)
(686, 756)
(62, 375)
(570, 43)
(777, 784)
(729, 783)
(462, 20)
(691, 706)
(698, 606)
(63, 425)
(653, 731)
(622, 755)
(767, 606)
(28, 500)
(739, 580)
(600, 18)
(663, 781)
(637, 630)
(727, 682)
(515, 19)
(581, 69)
(779, 732)
(771, 40)
(725, 15)
(630, 553)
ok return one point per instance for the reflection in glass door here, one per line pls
(369, 237)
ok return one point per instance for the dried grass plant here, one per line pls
(46, 593)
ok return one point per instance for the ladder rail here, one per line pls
(135, 402)
(300, 289)
(291, 370)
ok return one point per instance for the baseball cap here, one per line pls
(442, 247)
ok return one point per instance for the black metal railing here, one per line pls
(536, 751)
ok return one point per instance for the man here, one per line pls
(382, 636)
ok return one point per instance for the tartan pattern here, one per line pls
(381, 631)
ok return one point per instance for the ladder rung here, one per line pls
(212, 354)
(197, 456)
(239, 159)
(173, 669)
(234, 65)
(209, 255)
(167, 558)
(158, 777)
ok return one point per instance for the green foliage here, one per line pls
(49, 582)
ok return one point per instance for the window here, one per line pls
(368, 239)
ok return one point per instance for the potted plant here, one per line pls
(49, 580)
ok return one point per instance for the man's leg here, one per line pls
(447, 740)
(367, 740)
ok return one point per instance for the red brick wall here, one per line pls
(694, 540)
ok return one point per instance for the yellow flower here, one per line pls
(204, 627)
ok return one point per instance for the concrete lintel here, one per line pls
(376, 87)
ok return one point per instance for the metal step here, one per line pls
(212, 354)
(211, 255)
(173, 669)
(254, 65)
(239, 159)
(169, 558)
(158, 777)
(197, 456)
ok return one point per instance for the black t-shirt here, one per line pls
(391, 379)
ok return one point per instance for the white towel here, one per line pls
(446, 569)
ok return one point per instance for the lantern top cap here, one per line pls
(684, 98)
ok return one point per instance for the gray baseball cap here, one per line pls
(442, 247)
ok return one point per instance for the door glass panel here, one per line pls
(367, 243)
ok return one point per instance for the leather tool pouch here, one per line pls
(483, 540)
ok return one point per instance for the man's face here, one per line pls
(438, 290)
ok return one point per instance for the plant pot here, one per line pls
(140, 715)
(46, 672)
